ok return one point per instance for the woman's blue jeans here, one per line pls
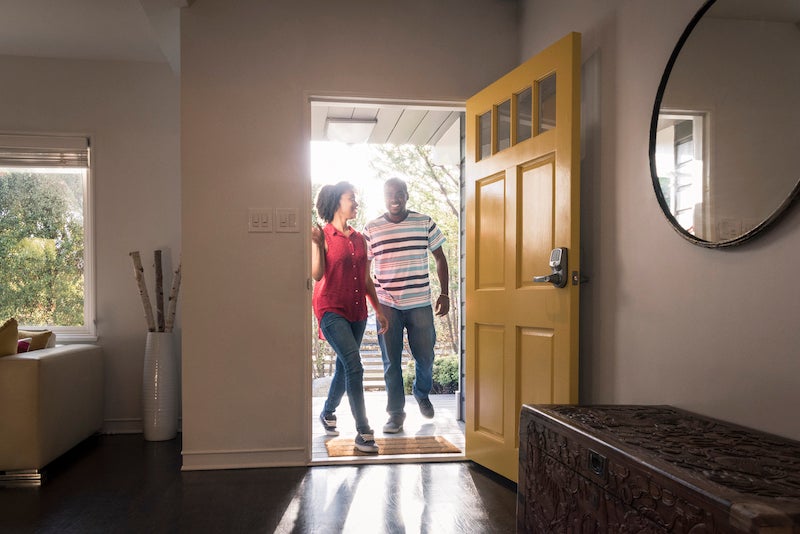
(345, 339)
(418, 323)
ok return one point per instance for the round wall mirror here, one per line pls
(725, 131)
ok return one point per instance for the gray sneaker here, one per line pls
(329, 424)
(393, 425)
(425, 407)
(365, 442)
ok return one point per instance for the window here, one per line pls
(682, 169)
(45, 233)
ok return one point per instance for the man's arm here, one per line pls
(443, 274)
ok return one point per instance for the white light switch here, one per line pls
(286, 220)
(259, 220)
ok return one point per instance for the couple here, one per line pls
(398, 242)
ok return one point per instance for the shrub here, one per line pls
(445, 375)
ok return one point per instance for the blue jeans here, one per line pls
(418, 322)
(345, 339)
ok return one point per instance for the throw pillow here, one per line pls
(40, 339)
(23, 345)
(8, 338)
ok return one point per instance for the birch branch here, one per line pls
(173, 298)
(138, 271)
(159, 291)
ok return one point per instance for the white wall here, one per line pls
(131, 111)
(247, 68)
(664, 321)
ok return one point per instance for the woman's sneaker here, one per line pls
(329, 423)
(365, 442)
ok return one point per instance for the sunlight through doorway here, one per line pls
(366, 143)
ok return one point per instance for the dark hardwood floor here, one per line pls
(122, 483)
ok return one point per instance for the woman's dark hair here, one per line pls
(328, 199)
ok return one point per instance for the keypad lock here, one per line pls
(558, 266)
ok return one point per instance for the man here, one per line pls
(398, 245)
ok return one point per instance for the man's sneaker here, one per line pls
(394, 425)
(365, 442)
(425, 408)
(329, 423)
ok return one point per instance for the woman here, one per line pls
(340, 267)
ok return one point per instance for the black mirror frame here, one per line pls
(769, 221)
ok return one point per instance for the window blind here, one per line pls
(44, 151)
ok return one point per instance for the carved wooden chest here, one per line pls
(615, 469)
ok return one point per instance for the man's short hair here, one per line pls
(396, 182)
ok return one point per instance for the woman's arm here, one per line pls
(317, 252)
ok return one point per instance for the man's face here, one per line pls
(395, 198)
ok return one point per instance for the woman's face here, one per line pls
(348, 206)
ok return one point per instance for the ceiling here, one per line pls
(149, 31)
(126, 30)
(395, 122)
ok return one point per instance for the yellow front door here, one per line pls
(522, 169)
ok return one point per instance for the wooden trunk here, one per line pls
(615, 469)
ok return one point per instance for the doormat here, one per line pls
(415, 445)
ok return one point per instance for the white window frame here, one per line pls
(26, 143)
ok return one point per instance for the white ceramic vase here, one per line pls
(160, 387)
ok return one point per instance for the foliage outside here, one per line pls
(42, 247)
(434, 190)
(445, 375)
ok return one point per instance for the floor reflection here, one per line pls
(400, 498)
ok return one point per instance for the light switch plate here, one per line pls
(260, 220)
(286, 220)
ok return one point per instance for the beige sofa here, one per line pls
(50, 400)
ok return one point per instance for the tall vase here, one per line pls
(160, 388)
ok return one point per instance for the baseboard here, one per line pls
(131, 425)
(244, 459)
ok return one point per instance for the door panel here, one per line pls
(522, 166)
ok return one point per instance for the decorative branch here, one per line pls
(159, 291)
(173, 298)
(138, 271)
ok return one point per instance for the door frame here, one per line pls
(311, 98)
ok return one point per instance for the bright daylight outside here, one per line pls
(42, 245)
(434, 189)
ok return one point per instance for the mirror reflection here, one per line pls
(726, 137)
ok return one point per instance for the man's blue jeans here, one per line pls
(345, 338)
(418, 322)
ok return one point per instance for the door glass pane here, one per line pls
(547, 104)
(504, 125)
(485, 135)
(524, 114)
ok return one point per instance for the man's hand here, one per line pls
(383, 322)
(442, 305)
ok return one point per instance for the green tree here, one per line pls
(41, 246)
(434, 190)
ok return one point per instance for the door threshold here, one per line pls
(388, 459)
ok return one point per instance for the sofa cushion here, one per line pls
(23, 345)
(40, 339)
(8, 338)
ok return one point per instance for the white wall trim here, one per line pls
(244, 458)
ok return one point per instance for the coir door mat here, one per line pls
(415, 445)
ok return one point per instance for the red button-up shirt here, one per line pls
(342, 289)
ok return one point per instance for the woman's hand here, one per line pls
(317, 252)
(317, 235)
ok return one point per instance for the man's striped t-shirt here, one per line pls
(399, 254)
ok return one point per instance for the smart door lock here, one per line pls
(558, 264)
